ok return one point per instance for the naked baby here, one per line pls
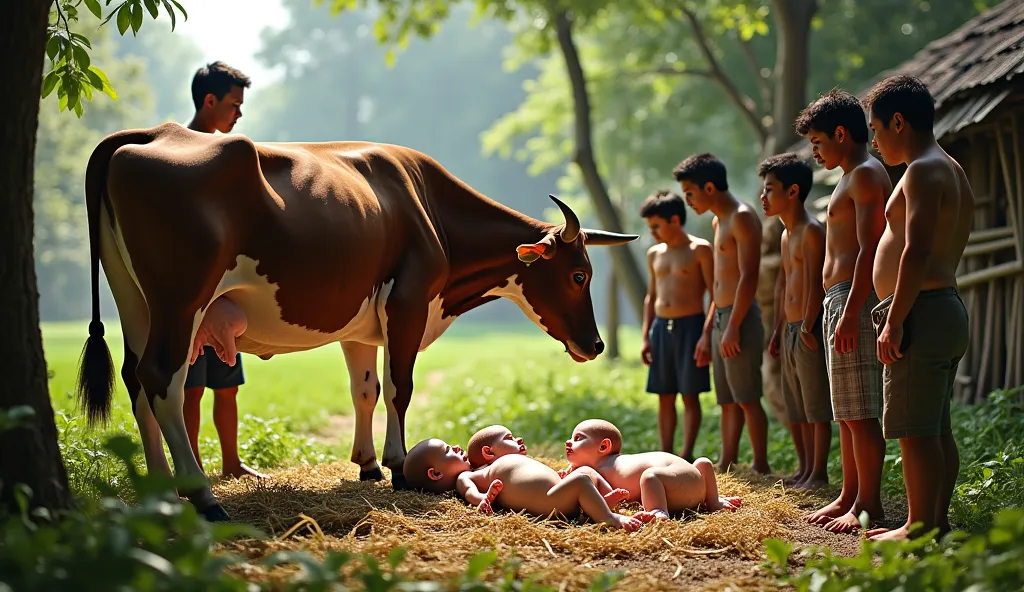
(664, 483)
(496, 441)
(515, 481)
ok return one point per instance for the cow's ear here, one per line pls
(543, 248)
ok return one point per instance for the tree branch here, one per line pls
(670, 71)
(746, 105)
(763, 84)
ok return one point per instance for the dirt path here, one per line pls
(340, 428)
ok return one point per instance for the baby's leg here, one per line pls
(669, 489)
(611, 495)
(712, 500)
(578, 490)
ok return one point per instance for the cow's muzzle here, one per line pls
(578, 354)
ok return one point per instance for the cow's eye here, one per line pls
(579, 277)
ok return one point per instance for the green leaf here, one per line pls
(136, 18)
(181, 8)
(81, 57)
(81, 39)
(53, 47)
(170, 11)
(154, 9)
(94, 7)
(49, 82)
(124, 18)
(79, 108)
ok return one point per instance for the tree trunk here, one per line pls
(625, 264)
(30, 454)
(793, 25)
(612, 338)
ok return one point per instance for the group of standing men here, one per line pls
(869, 325)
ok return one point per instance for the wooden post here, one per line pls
(986, 349)
(613, 317)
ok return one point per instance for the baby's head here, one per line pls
(491, 443)
(433, 465)
(591, 441)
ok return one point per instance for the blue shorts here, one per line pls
(673, 369)
(210, 372)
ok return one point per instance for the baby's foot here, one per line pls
(649, 515)
(492, 494)
(627, 523)
(615, 496)
(730, 504)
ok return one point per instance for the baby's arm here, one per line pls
(467, 488)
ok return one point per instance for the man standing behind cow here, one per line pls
(681, 272)
(218, 92)
(922, 324)
(837, 128)
(735, 346)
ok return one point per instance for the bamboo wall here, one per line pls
(991, 273)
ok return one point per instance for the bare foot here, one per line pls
(831, 511)
(492, 493)
(885, 534)
(242, 471)
(627, 523)
(763, 469)
(723, 466)
(615, 496)
(795, 478)
(730, 504)
(648, 516)
(848, 522)
(812, 483)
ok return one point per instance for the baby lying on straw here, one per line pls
(664, 483)
(515, 481)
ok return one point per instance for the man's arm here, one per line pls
(652, 293)
(780, 286)
(706, 258)
(748, 258)
(869, 197)
(813, 250)
(922, 191)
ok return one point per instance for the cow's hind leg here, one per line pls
(362, 372)
(162, 372)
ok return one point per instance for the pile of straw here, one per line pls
(325, 507)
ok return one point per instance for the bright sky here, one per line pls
(207, 20)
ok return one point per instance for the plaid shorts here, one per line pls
(855, 378)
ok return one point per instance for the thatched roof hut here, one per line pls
(976, 74)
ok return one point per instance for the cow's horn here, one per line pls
(571, 230)
(603, 237)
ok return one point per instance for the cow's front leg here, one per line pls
(403, 318)
(362, 372)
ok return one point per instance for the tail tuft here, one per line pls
(95, 376)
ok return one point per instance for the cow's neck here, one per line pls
(482, 236)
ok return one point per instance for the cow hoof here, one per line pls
(215, 513)
(374, 474)
(398, 483)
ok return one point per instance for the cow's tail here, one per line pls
(96, 369)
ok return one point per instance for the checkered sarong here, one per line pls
(855, 378)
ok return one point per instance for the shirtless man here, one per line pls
(921, 321)
(680, 268)
(734, 317)
(664, 483)
(837, 128)
(798, 302)
(517, 482)
(496, 441)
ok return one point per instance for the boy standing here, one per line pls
(837, 128)
(218, 91)
(799, 295)
(922, 324)
(736, 340)
(681, 271)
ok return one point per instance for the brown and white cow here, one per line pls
(360, 243)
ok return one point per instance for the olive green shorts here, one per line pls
(918, 387)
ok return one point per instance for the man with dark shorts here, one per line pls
(736, 344)
(681, 272)
(922, 324)
(218, 91)
(836, 125)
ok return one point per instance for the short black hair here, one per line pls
(905, 95)
(217, 78)
(702, 168)
(665, 204)
(827, 112)
(790, 170)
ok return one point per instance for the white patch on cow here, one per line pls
(436, 323)
(513, 291)
(361, 360)
(267, 333)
